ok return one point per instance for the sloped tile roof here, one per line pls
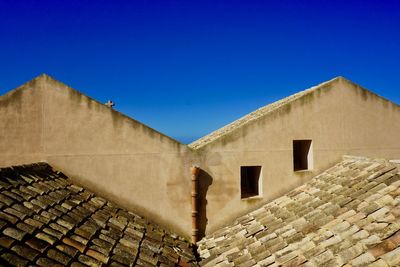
(47, 221)
(349, 214)
(255, 115)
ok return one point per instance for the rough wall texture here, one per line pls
(146, 171)
(20, 125)
(120, 158)
(339, 117)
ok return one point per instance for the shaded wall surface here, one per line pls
(148, 172)
(21, 119)
(113, 155)
(340, 118)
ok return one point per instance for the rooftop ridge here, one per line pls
(260, 112)
(47, 78)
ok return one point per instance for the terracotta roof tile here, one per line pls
(6, 242)
(348, 215)
(13, 259)
(47, 221)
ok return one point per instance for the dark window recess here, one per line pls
(249, 180)
(302, 155)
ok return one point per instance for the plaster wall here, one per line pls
(20, 125)
(148, 172)
(340, 118)
(100, 149)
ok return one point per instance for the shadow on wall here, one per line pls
(205, 180)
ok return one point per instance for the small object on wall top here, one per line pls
(110, 104)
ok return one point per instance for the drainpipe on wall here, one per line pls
(195, 170)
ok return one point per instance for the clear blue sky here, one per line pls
(186, 67)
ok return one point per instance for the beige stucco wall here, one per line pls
(99, 148)
(340, 118)
(20, 125)
(148, 172)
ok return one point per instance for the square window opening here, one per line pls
(302, 155)
(250, 181)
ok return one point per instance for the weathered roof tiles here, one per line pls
(47, 221)
(348, 215)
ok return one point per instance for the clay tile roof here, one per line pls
(350, 214)
(47, 221)
(256, 115)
